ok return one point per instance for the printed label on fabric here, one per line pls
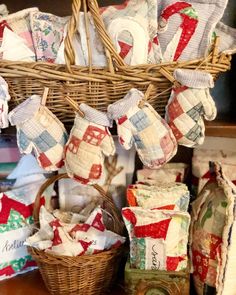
(12, 244)
(155, 254)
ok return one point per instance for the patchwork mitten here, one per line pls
(132, 26)
(143, 127)
(188, 104)
(47, 34)
(89, 141)
(185, 27)
(39, 131)
(4, 98)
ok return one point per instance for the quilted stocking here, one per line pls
(188, 104)
(90, 140)
(143, 127)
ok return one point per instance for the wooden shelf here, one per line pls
(221, 129)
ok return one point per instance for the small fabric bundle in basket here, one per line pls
(188, 104)
(172, 196)
(158, 238)
(47, 34)
(185, 27)
(19, 23)
(133, 28)
(39, 131)
(89, 142)
(143, 127)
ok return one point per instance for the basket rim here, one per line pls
(63, 259)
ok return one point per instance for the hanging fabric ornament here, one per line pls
(89, 141)
(39, 131)
(4, 98)
(143, 127)
(188, 104)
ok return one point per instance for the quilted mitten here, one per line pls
(143, 127)
(188, 104)
(4, 98)
(185, 27)
(89, 141)
(132, 26)
(39, 131)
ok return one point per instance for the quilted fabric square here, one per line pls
(157, 231)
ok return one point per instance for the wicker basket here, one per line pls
(82, 275)
(98, 87)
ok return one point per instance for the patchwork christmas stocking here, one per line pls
(90, 140)
(188, 104)
(4, 98)
(185, 27)
(143, 127)
(133, 28)
(39, 131)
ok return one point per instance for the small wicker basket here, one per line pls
(82, 275)
(97, 87)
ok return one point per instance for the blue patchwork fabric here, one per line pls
(140, 120)
(138, 142)
(23, 141)
(45, 141)
(196, 112)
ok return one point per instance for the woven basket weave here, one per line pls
(97, 87)
(82, 275)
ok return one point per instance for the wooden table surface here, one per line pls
(31, 283)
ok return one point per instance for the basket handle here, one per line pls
(118, 227)
(113, 58)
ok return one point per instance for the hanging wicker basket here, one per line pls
(97, 87)
(81, 275)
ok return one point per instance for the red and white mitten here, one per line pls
(143, 127)
(188, 105)
(89, 141)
